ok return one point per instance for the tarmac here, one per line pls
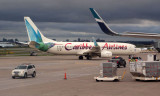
(80, 73)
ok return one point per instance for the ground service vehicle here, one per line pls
(119, 60)
(133, 59)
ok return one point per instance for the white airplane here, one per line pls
(82, 49)
(6, 44)
(104, 27)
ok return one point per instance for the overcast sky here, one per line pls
(70, 19)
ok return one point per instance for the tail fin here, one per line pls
(36, 38)
(34, 33)
(95, 42)
(102, 24)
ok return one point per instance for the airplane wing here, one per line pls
(95, 49)
(104, 27)
(141, 35)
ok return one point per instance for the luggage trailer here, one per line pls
(115, 78)
(145, 70)
(146, 78)
(108, 72)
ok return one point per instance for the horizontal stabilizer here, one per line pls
(33, 44)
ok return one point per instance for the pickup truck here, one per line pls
(119, 60)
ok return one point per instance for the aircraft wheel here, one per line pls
(89, 57)
(80, 57)
(13, 77)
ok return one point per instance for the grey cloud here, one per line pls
(63, 31)
(63, 19)
(77, 10)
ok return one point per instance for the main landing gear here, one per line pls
(87, 57)
(80, 57)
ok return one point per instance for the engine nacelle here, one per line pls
(106, 54)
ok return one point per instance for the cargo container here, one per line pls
(145, 70)
(108, 72)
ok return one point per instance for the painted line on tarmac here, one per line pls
(46, 77)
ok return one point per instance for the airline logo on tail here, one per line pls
(33, 34)
(36, 37)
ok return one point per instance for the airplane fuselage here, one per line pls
(82, 49)
(74, 48)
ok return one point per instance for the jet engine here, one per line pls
(106, 54)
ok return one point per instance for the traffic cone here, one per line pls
(65, 76)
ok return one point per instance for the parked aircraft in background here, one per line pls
(21, 44)
(6, 44)
(82, 49)
(104, 27)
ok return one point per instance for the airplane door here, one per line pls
(59, 48)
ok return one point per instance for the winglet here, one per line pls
(95, 43)
(104, 27)
(95, 14)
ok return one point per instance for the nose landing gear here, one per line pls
(87, 57)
